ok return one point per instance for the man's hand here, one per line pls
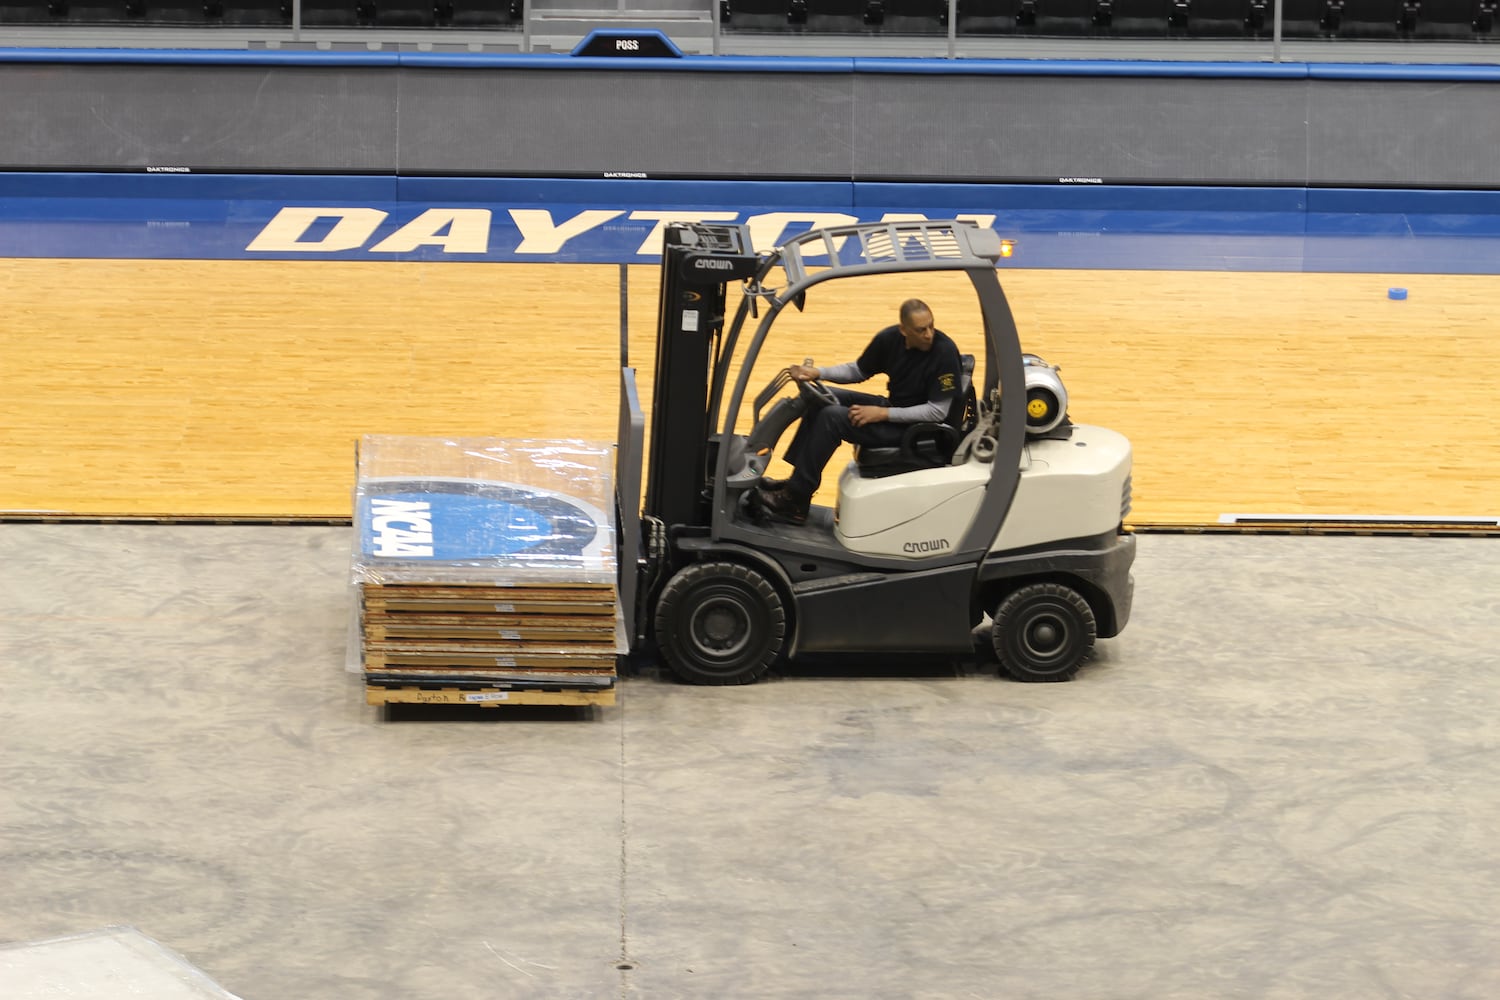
(804, 373)
(862, 414)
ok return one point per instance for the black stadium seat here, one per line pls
(911, 17)
(1455, 19)
(254, 13)
(1371, 19)
(397, 13)
(1139, 17)
(1307, 18)
(329, 14)
(1223, 18)
(904, 17)
(1060, 17)
(507, 14)
(983, 17)
(184, 13)
(100, 11)
(26, 12)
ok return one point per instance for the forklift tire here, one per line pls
(1043, 632)
(720, 623)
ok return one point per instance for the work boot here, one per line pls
(781, 505)
(769, 485)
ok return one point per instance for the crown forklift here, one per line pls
(1009, 510)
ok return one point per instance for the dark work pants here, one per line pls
(820, 432)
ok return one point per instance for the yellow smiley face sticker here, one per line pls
(1037, 408)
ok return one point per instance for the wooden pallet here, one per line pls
(591, 680)
(379, 632)
(453, 605)
(591, 616)
(546, 630)
(553, 599)
(480, 644)
(445, 657)
(551, 591)
(484, 697)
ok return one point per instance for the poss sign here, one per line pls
(636, 43)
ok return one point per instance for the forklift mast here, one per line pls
(698, 261)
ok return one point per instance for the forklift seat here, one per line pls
(927, 445)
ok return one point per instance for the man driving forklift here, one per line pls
(921, 364)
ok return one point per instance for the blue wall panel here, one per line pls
(380, 218)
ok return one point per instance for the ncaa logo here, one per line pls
(467, 520)
(401, 528)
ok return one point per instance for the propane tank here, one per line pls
(1046, 397)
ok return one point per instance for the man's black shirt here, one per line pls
(914, 377)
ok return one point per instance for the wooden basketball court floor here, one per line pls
(237, 390)
(1275, 783)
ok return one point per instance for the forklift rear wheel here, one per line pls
(1043, 632)
(720, 623)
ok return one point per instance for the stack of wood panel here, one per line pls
(485, 571)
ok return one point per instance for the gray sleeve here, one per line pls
(847, 373)
(934, 411)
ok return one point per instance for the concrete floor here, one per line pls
(1279, 782)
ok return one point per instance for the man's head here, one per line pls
(916, 325)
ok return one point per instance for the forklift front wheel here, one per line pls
(720, 623)
(1043, 632)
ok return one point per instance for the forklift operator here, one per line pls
(922, 368)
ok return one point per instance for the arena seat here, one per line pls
(181, 13)
(1225, 18)
(397, 13)
(983, 17)
(1139, 17)
(1061, 17)
(780, 16)
(492, 14)
(751, 15)
(903, 17)
(97, 12)
(921, 17)
(26, 12)
(330, 13)
(847, 14)
(1374, 19)
(1308, 18)
(255, 13)
(1455, 19)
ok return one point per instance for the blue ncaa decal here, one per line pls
(462, 521)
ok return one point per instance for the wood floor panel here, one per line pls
(239, 388)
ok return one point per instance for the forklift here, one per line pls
(1007, 512)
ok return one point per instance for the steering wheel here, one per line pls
(818, 393)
